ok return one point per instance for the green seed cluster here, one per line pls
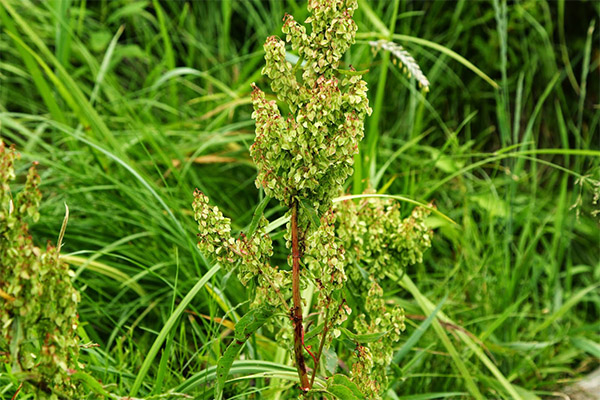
(38, 304)
(309, 153)
(333, 31)
(361, 372)
(380, 320)
(252, 254)
(326, 261)
(377, 239)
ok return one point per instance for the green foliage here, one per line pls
(244, 328)
(378, 241)
(343, 388)
(38, 305)
(502, 75)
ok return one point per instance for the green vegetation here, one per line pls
(128, 106)
(39, 304)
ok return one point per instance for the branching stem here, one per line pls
(320, 351)
(296, 311)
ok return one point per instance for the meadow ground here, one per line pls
(130, 105)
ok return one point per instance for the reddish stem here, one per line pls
(17, 392)
(296, 310)
(320, 351)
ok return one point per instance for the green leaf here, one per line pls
(224, 365)
(494, 205)
(587, 345)
(364, 338)
(99, 40)
(258, 213)
(342, 392)
(312, 213)
(245, 327)
(331, 360)
(312, 337)
(342, 381)
(253, 320)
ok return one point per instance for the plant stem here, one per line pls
(296, 311)
(320, 351)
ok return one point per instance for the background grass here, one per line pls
(130, 105)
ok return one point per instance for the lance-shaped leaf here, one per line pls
(343, 388)
(245, 327)
(363, 338)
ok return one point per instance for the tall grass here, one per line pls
(128, 106)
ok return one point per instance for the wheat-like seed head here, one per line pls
(411, 68)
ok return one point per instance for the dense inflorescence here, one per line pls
(252, 253)
(38, 304)
(375, 234)
(309, 154)
(377, 319)
(378, 241)
(325, 258)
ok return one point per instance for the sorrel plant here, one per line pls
(303, 160)
(38, 304)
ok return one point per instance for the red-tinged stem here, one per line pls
(296, 310)
(320, 351)
(17, 392)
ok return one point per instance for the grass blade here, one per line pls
(105, 270)
(414, 338)
(35, 72)
(573, 300)
(170, 324)
(427, 307)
